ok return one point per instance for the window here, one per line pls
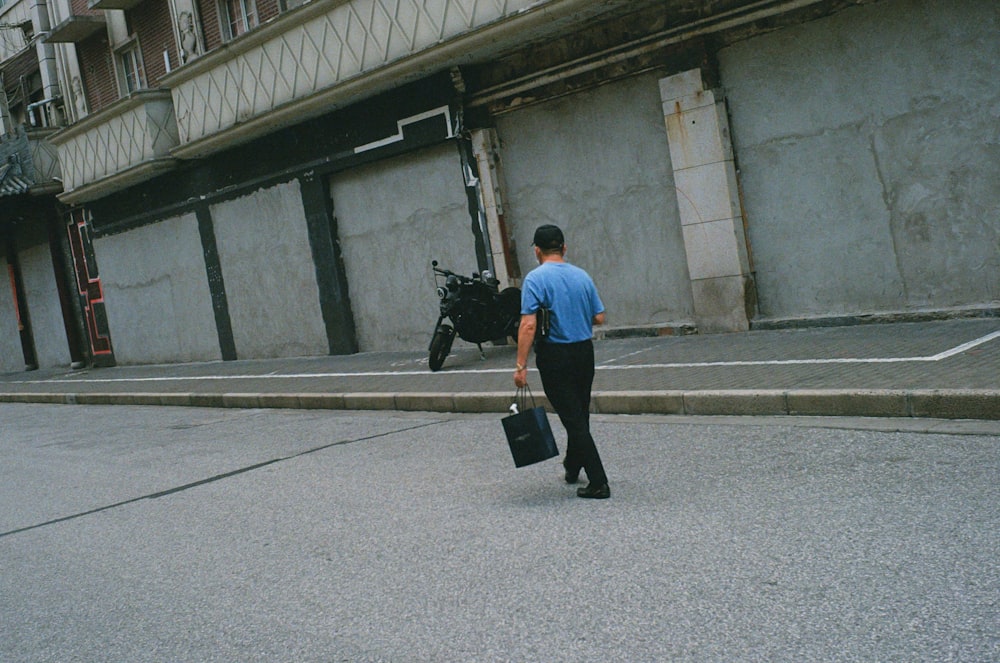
(238, 17)
(130, 65)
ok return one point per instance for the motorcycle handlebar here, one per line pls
(448, 272)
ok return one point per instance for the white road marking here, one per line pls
(624, 356)
(958, 349)
(951, 352)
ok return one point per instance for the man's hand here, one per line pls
(521, 377)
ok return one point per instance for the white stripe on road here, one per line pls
(838, 360)
(603, 367)
(965, 346)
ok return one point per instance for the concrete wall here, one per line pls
(269, 274)
(156, 293)
(11, 356)
(395, 217)
(869, 148)
(47, 327)
(598, 165)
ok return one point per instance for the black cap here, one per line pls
(548, 237)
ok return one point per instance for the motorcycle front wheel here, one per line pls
(440, 346)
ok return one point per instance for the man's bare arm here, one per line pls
(525, 338)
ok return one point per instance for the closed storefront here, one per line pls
(394, 217)
(598, 164)
(157, 296)
(269, 274)
(869, 150)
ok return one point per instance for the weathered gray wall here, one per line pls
(394, 217)
(48, 330)
(11, 357)
(269, 274)
(869, 148)
(598, 165)
(156, 293)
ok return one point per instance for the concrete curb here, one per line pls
(931, 404)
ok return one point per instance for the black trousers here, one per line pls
(567, 372)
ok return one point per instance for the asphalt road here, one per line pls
(182, 534)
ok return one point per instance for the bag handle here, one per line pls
(521, 397)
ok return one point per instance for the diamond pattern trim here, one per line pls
(138, 134)
(349, 40)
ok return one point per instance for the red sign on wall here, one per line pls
(88, 284)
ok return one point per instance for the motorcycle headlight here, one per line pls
(442, 293)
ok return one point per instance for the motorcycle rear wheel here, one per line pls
(440, 347)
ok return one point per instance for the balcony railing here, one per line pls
(124, 144)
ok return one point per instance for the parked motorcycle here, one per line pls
(473, 309)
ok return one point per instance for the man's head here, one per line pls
(549, 239)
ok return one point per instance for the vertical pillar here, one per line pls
(477, 214)
(709, 203)
(216, 283)
(72, 321)
(331, 276)
(485, 148)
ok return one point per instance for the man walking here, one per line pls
(565, 359)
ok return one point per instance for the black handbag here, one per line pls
(528, 432)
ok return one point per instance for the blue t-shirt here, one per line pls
(569, 293)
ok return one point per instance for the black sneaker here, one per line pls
(591, 491)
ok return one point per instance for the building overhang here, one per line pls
(75, 29)
(670, 23)
(120, 180)
(113, 4)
